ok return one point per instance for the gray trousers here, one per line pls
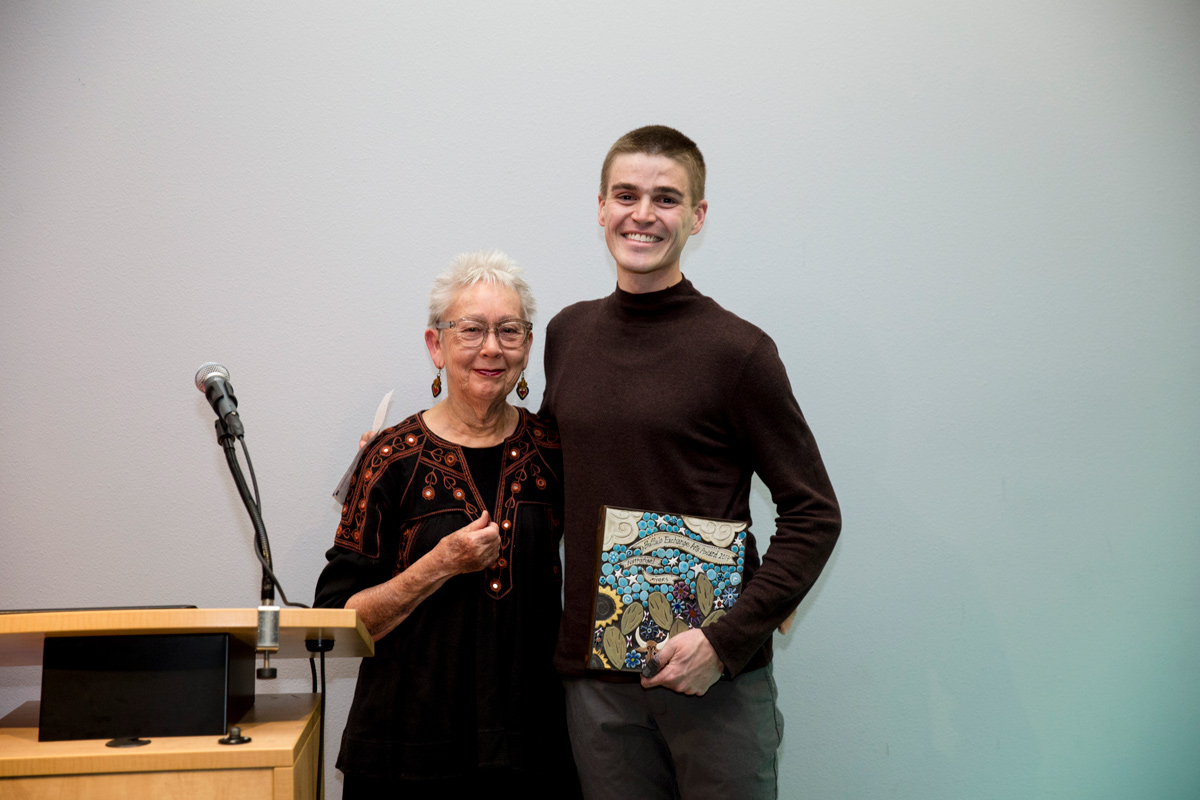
(658, 745)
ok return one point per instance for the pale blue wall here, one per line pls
(972, 228)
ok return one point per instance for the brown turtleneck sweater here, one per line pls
(667, 402)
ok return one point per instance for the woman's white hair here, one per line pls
(468, 269)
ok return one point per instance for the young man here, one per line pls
(667, 402)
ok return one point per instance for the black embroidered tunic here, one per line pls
(467, 679)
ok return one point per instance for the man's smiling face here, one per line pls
(648, 215)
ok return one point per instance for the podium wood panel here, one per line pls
(280, 763)
(239, 784)
(21, 635)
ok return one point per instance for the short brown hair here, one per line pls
(659, 140)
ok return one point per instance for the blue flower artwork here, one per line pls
(660, 574)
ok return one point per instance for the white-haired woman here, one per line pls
(448, 550)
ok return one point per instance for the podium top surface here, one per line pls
(21, 635)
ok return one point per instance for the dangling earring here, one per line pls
(522, 387)
(436, 388)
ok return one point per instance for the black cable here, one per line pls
(321, 736)
(312, 667)
(262, 548)
(253, 480)
(322, 646)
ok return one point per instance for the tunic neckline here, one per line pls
(521, 415)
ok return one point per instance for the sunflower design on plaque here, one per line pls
(658, 575)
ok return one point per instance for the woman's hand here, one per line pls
(471, 548)
(468, 549)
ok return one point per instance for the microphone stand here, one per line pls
(268, 612)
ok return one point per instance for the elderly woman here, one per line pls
(448, 550)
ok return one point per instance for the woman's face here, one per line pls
(483, 373)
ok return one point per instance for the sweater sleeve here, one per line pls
(550, 355)
(768, 422)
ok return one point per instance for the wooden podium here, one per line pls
(279, 763)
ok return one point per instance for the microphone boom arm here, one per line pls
(262, 548)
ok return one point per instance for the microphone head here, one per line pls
(207, 371)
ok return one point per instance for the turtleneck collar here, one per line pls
(654, 306)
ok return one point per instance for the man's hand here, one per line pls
(366, 437)
(689, 664)
(786, 625)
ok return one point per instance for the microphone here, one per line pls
(212, 380)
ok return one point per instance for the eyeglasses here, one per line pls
(511, 333)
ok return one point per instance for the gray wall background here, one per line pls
(972, 229)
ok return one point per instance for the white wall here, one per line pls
(972, 228)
